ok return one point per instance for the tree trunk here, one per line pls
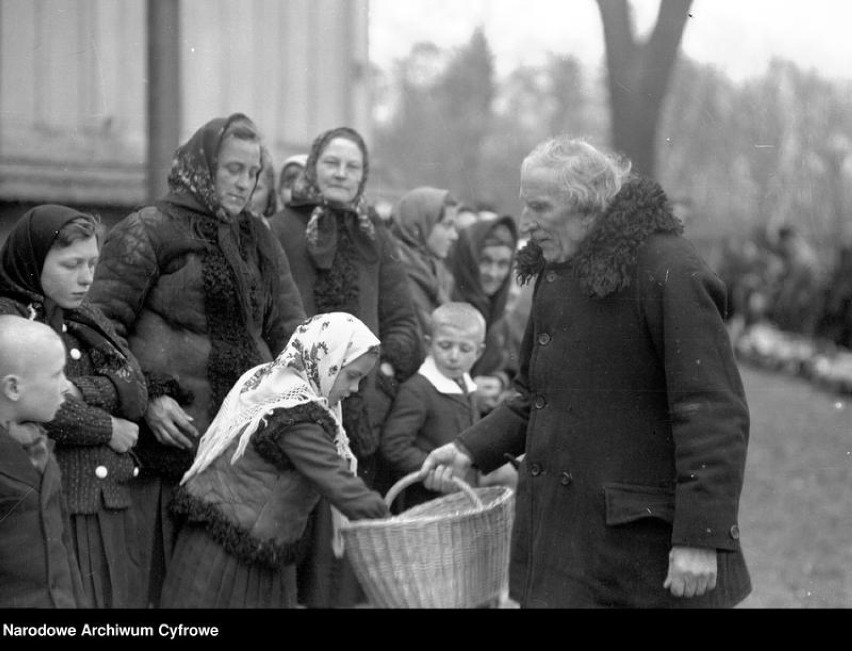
(639, 74)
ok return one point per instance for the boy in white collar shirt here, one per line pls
(438, 401)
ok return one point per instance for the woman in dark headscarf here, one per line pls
(344, 259)
(481, 264)
(202, 293)
(46, 267)
(424, 223)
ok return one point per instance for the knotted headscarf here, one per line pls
(322, 231)
(232, 295)
(192, 193)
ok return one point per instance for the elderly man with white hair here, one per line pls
(631, 414)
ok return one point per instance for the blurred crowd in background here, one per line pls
(789, 306)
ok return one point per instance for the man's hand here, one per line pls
(170, 423)
(442, 464)
(124, 435)
(692, 571)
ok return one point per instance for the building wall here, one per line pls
(73, 123)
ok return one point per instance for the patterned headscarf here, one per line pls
(193, 170)
(322, 229)
(192, 195)
(303, 372)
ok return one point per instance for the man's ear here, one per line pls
(10, 385)
(427, 339)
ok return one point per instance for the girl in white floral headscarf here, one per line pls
(276, 444)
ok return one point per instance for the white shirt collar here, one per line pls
(441, 382)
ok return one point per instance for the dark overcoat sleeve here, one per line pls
(503, 431)
(683, 302)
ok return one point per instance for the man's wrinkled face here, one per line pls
(547, 219)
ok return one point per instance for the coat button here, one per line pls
(735, 532)
(535, 470)
(101, 472)
(135, 471)
(540, 402)
(544, 339)
(567, 478)
(75, 354)
(550, 276)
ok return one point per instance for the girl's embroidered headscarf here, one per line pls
(304, 371)
(322, 232)
(464, 264)
(23, 255)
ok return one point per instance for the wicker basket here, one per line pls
(451, 552)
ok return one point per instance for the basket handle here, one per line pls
(419, 475)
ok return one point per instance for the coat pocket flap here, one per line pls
(630, 502)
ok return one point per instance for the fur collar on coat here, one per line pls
(606, 259)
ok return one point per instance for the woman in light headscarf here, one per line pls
(424, 223)
(344, 259)
(275, 446)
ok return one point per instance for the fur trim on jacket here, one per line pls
(606, 259)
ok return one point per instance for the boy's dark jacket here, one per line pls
(38, 568)
(429, 411)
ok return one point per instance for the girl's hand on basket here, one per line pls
(442, 465)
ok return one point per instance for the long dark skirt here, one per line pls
(325, 581)
(108, 555)
(156, 532)
(202, 574)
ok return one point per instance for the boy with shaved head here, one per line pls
(38, 568)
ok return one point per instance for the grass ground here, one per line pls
(796, 507)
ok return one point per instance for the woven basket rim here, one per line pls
(506, 493)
